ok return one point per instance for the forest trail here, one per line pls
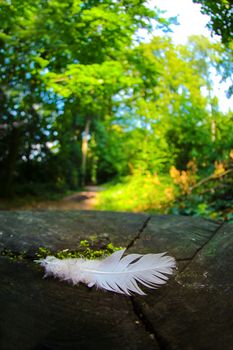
(84, 200)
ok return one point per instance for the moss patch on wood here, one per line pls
(85, 250)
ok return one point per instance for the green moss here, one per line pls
(42, 252)
(84, 251)
(88, 252)
(13, 255)
(84, 243)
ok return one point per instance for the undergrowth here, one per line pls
(139, 192)
(205, 192)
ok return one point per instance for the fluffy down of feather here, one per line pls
(114, 273)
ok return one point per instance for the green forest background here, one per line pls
(85, 100)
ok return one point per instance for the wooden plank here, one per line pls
(195, 310)
(56, 230)
(180, 236)
(44, 314)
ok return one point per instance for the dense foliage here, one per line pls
(221, 17)
(85, 100)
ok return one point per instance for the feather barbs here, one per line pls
(115, 273)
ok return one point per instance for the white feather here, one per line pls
(114, 273)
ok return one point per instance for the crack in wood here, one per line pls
(200, 248)
(184, 259)
(149, 327)
(140, 231)
(160, 341)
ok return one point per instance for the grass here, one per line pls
(136, 193)
(146, 192)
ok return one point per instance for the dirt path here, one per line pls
(85, 200)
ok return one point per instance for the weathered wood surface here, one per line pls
(193, 311)
(26, 231)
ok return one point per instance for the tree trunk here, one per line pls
(10, 161)
(213, 109)
(85, 150)
(213, 130)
